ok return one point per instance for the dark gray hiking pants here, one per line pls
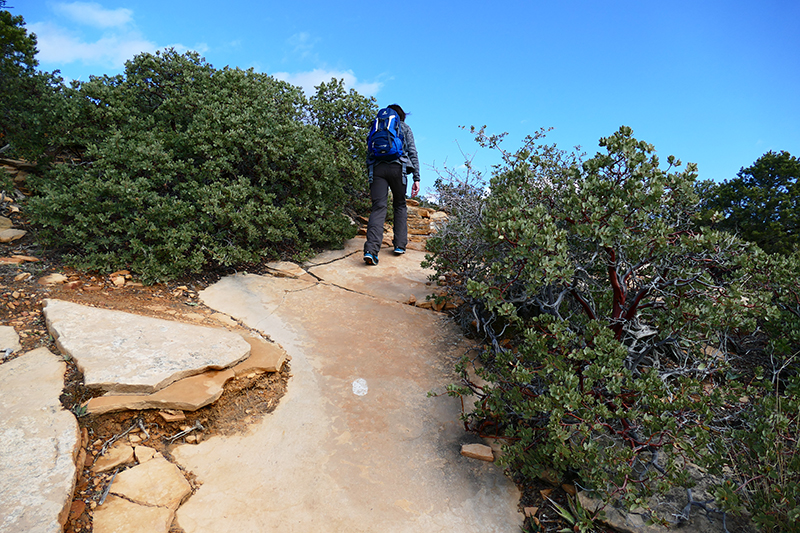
(384, 177)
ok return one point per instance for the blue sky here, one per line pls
(716, 83)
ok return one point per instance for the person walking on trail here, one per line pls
(391, 156)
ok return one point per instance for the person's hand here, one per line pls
(415, 189)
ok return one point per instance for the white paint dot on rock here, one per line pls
(360, 387)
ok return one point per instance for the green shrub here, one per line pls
(601, 311)
(177, 166)
(765, 454)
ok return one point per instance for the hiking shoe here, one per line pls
(399, 251)
(370, 259)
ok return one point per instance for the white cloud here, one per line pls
(93, 14)
(308, 80)
(58, 45)
(302, 45)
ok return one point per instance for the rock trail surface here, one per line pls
(356, 444)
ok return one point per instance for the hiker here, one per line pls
(391, 155)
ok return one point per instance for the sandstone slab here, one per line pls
(356, 444)
(188, 394)
(265, 356)
(117, 455)
(126, 353)
(144, 453)
(118, 515)
(156, 482)
(9, 341)
(394, 278)
(39, 443)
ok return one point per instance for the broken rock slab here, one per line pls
(125, 353)
(9, 341)
(118, 514)
(117, 455)
(188, 394)
(265, 356)
(285, 269)
(156, 482)
(39, 443)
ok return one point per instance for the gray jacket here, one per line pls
(409, 160)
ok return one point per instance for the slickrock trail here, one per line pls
(356, 445)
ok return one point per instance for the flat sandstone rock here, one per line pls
(188, 394)
(156, 482)
(39, 442)
(9, 340)
(125, 353)
(118, 514)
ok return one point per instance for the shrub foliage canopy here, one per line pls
(175, 166)
(607, 317)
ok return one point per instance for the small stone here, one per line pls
(172, 415)
(144, 453)
(477, 451)
(77, 509)
(28, 258)
(191, 439)
(118, 281)
(52, 279)
(134, 439)
(412, 300)
(118, 454)
(23, 276)
(72, 285)
(10, 235)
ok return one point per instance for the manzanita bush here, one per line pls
(175, 166)
(604, 312)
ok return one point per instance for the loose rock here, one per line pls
(477, 451)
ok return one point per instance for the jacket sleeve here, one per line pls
(411, 151)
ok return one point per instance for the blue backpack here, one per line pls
(385, 139)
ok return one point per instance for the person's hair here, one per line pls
(399, 111)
